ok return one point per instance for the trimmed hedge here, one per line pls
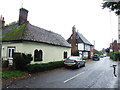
(44, 66)
(115, 56)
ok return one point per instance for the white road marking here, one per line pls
(73, 77)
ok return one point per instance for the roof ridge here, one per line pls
(45, 29)
(83, 38)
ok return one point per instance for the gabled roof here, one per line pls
(30, 32)
(80, 37)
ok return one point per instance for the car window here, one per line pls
(74, 58)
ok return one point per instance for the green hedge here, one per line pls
(44, 66)
(115, 56)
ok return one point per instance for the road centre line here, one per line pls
(73, 77)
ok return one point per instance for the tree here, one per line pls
(97, 52)
(107, 50)
(113, 6)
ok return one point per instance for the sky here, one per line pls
(96, 24)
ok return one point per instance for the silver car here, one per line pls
(74, 61)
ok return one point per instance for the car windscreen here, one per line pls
(73, 58)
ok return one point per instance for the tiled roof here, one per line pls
(81, 37)
(33, 33)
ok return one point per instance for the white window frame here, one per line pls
(10, 48)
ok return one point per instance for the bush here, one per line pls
(21, 61)
(115, 56)
(44, 66)
(5, 63)
(111, 54)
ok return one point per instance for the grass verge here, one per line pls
(12, 73)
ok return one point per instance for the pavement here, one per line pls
(119, 75)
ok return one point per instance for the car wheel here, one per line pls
(65, 66)
(78, 66)
(84, 65)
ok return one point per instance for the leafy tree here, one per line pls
(15, 22)
(113, 6)
(107, 50)
(97, 52)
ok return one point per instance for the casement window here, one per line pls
(10, 52)
(65, 55)
(38, 55)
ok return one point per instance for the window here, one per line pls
(65, 55)
(10, 52)
(38, 55)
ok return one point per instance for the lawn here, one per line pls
(12, 73)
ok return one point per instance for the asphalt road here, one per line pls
(96, 74)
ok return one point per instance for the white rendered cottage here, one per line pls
(45, 46)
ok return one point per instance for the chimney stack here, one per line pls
(23, 14)
(73, 38)
(2, 22)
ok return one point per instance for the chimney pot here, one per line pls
(2, 22)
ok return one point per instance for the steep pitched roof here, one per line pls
(81, 37)
(30, 32)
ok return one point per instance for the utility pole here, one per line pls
(94, 44)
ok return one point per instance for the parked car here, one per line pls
(95, 57)
(74, 61)
(101, 56)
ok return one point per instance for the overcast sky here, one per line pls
(60, 15)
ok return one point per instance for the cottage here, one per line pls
(80, 43)
(44, 45)
(114, 47)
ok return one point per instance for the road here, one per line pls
(96, 74)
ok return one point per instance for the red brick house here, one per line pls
(115, 47)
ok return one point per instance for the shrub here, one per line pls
(21, 61)
(115, 56)
(45, 66)
(111, 54)
(5, 63)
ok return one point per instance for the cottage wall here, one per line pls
(50, 52)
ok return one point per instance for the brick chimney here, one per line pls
(2, 22)
(23, 16)
(73, 38)
(115, 46)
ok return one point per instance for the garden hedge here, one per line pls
(44, 66)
